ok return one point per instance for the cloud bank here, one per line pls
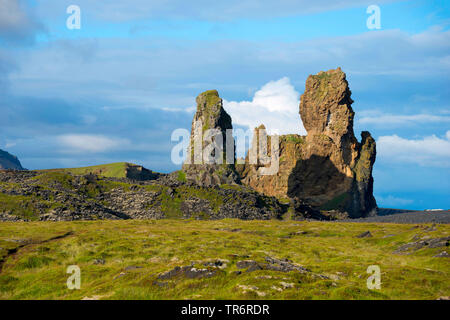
(430, 151)
(275, 105)
(17, 24)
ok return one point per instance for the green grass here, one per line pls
(112, 170)
(38, 269)
(181, 176)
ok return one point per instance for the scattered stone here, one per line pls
(276, 288)
(429, 243)
(129, 268)
(284, 265)
(286, 285)
(246, 289)
(99, 261)
(430, 228)
(160, 284)
(443, 254)
(93, 298)
(245, 264)
(218, 263)
(235, 255)
(334, 277)
(120, 275)
(365, 234)
(187, 271)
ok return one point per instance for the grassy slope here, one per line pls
(37, 270)
(111, 170)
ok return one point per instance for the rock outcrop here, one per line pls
(328, 169)
(290, 148)
(8, 161)
(60, 196)
(209, 127)
(137, 172)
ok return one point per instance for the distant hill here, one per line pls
(112, 170)
(9, 161)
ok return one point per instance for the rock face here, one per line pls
(209, 126)
(8, 161)
(277, 184)
(329, 169)
(136, 172)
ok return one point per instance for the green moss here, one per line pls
(212, 97)
(22, 206)
(294, 138)
(211, 195)
(231, 187)
(112, 170)
(49, 179)
(181, 176)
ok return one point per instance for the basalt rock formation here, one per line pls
(63, 196)
(8, 161)
(209, 126)
(328, 169)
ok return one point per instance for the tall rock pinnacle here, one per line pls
(336, 170)
(207, 165)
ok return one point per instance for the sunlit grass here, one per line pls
(122, 259)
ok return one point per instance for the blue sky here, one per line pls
(116, 89)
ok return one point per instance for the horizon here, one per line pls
(115, 89)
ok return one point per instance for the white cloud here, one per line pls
(430, 151)
(11, 14)
(275, 105)
(392, 119)
(76, 143)
(16, 22)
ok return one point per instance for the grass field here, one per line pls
(122, 260)
(111, 170)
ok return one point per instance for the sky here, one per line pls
(115, 89)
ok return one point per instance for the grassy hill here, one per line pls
(111, 170)
(129, 260)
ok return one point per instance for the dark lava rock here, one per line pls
(98, 261)
(365, 234)
(443, 254)
(429, 243)
(187, 271)
(284, 265)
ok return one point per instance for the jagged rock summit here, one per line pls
(328, 168)
(335, 171)
(8, 161)
(210, 124)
